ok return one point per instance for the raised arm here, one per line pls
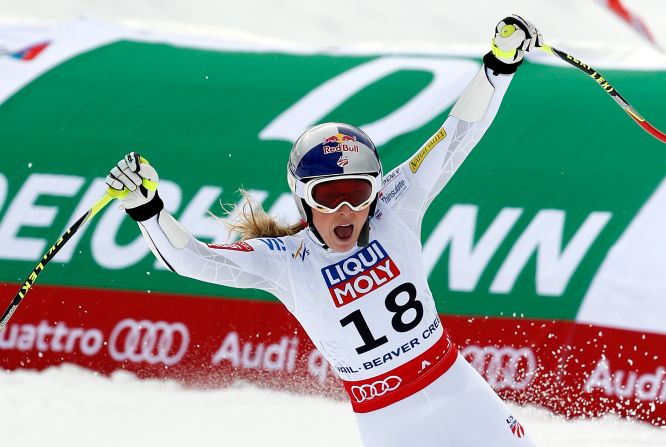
(249, 264)
(411, 187)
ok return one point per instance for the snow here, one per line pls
(72, 406)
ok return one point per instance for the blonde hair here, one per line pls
(252, 221)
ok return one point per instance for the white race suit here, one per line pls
(370, 311)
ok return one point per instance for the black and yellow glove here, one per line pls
(134, 182)
(514, 36)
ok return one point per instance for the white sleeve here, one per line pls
(245, 264)
(412, 186)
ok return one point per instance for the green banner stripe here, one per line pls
(559, 144)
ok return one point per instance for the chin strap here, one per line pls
(310, 226)
(364, 236)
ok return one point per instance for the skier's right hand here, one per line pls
(134, 182)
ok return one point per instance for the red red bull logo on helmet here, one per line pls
(340, 143)
(364, 271)
(339, 138)
(340, 148)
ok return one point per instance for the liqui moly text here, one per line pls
(359, 274)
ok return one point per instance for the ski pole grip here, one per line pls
(148, 184)
(507, 31)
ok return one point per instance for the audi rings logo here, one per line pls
(505, 367)
(148, 341)
(369, 391)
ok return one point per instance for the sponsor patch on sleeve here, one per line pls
(395, 185)
(236, 246)
(417, 159)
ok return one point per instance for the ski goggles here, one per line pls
(328, 194)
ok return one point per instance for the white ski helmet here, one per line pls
(331, 150)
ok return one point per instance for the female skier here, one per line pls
(352, 272)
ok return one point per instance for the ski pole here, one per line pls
(96, 208)
(604, 84)
(507, 30)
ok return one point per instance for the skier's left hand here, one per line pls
(513, 37)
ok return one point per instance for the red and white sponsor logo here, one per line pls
(505, 367)
(627, 384)
(411, 377)
(45, 338)
(237, 246)
(517, 429)
(136, 341)
(368, 391)
(341, 147)
(364, 271)
(148, 341)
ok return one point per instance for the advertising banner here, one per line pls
(544, 253)
(572, 369)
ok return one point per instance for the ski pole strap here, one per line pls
(147, 210)
(499, 67)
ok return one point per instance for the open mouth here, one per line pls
(343, 232)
